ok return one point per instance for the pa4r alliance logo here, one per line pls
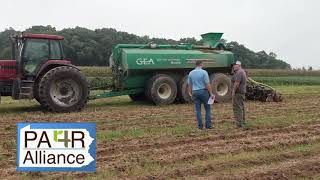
(56, 147)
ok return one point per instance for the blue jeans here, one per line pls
(201, 97)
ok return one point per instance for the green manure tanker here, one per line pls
(158, 73)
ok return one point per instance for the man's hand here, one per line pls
(233, 94)
(209, 88)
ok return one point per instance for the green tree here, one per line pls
(93, 47)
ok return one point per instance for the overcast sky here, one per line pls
(290, 28)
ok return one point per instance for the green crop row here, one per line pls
(289, 80)
(273, 81)
(99, 76)
(99, 81)
(96, 71)
(281, 72)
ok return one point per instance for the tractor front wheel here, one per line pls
(63, 89)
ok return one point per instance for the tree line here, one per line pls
(93, 47)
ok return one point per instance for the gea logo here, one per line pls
(56, 147)
(144, 61)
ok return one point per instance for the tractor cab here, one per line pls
(34, 50)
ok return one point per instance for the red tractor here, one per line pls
(39, 70)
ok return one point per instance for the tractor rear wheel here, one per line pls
(221, 87)
(161, 89)
(183, 94)
(63, 89)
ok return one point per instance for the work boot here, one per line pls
(239, 124)
(210, 127)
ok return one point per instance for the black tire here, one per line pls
(221, 87)
(57, 84)
(36, 91)
(183, 94)
(161, 89)
(15, 89)
(137, 97)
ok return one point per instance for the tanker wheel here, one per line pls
(138, 97)
(183, 94)
(63, 89)
(161, 89)
(221, 87)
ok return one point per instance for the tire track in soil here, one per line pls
(188, 119)
(161, 123)
(174, 146)
(141, 144)
(133, 113)
(220, 167)
(298, 167)
(302, 168)
(170, 157)
(216, 141)
(137, 122)
(185, 152)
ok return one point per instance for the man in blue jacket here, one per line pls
(200, 90)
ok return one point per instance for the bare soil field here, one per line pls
(142, 141)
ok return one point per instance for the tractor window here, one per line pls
(55, 50)
(35, 52)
